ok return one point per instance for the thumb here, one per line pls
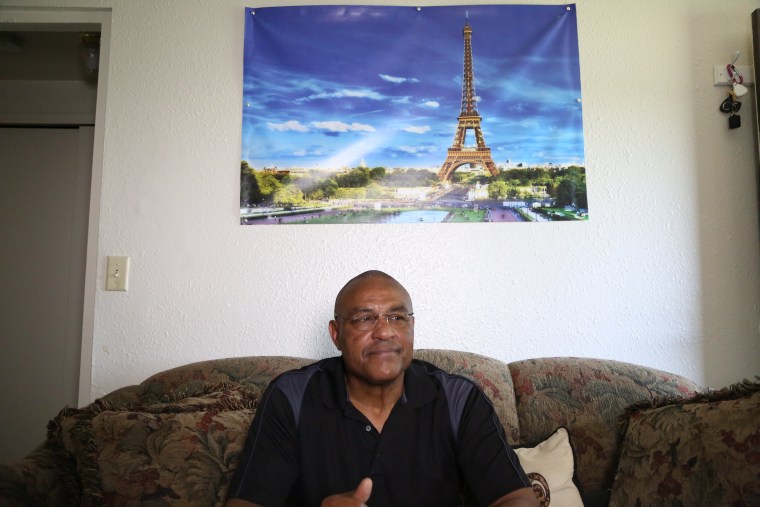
(363, 490)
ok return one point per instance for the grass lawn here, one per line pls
(466, 215)
(563, 214)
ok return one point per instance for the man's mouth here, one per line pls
(379, 351)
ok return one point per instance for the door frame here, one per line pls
(80, 20)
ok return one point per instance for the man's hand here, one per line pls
(355, 498)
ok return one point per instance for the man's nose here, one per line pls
(383, 329)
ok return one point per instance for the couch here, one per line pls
(175, 438)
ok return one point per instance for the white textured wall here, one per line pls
(666, 273)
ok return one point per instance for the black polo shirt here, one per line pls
(442, 438)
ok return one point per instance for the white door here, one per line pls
(44, 206)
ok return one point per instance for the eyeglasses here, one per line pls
(365, 322)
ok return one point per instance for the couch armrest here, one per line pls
(46, 477)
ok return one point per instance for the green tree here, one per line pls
(581, 199)
(565, 193)
(250, 193)
(355, 178)
(377, 173)
(497, 190)
(268, 184)
(288, 195)
(329, 187)
(550, 187)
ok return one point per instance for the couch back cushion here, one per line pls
(588, 397)
(701, 451)
(255, 372)
(491, 375)
(180, 452)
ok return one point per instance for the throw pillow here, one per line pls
(177, 453)
(702, 451)
(550, 467)
(173, 459)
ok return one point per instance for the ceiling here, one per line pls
(43, 55)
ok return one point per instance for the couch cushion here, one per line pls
(491, 375)
(704, 451)
(586, 396)
(551, 468)
(181, 452)
(255, 371)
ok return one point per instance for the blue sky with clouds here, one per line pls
(332, 86)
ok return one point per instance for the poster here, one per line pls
(383, 114)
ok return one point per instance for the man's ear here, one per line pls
(333, 327)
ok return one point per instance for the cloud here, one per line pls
(417, 130)
(431, 103)
(398, 80)
(417, 150)
(339, 126)
(341, 94)
(366, 112)
(308, 151)
(293, 125)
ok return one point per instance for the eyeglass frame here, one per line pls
(376, 318)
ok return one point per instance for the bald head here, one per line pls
(359, 280)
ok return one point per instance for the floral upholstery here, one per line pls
(586, 396)
(180, 452)
(47, 476)
(255, 371)
(490, 375)
(174, 439)
(703, 451)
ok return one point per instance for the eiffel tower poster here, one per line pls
(348, 115)
(469, 119)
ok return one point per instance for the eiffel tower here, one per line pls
(469, 119)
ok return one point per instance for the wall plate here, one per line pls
(117, 274)
(720, 74)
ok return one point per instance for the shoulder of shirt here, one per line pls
(292, 385)
(443, 376)
(300, 376)
(456, 388)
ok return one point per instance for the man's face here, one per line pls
(381, 354)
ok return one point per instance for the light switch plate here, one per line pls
(721, 77)
(117, 274)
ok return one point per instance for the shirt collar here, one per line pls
(419, 389)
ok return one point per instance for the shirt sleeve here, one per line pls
(268, 465)
(488, 464)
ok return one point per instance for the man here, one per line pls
(372, 427)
